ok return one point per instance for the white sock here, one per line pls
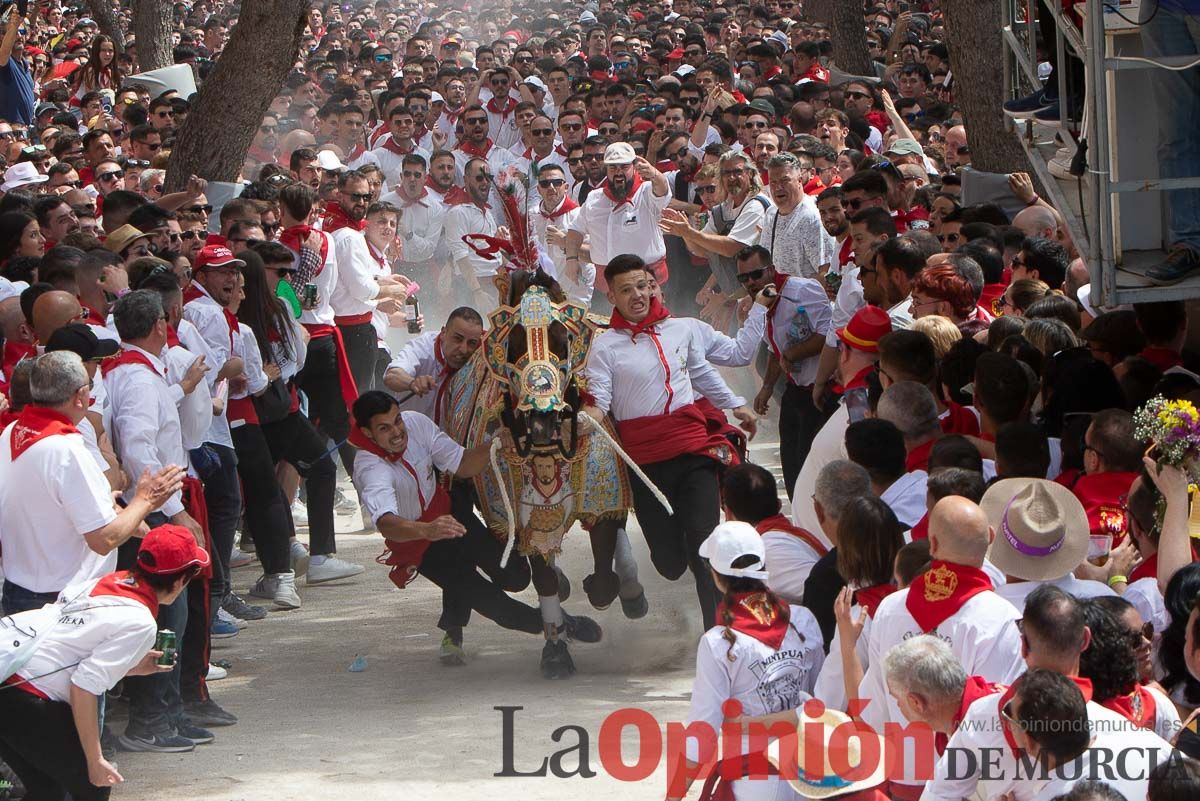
(624, 565)
(551, 609)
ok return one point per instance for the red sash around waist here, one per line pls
(660, 437)
(345, 377)
(405, 557)
(353, 319)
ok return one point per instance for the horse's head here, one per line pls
(539, 341)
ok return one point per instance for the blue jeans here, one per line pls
(154, 703)
(18, 599)
(1176, 33)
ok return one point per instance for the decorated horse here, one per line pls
(552, 463)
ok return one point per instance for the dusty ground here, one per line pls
(409, 728)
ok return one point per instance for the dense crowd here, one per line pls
(979, 538)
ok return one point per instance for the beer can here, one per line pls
(309, 298)
(166, 642)
(412, 314)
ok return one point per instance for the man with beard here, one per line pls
(440, 181)
(454, 95)
(548, 224)
(362, 283)
(422, 216)
(889, 285)
(264, 148)
(350, 137)
(641, 372)
(792, 230)
(427, 362)
(593, 167)
(56, 218)
(622, 218)
(471, 213)
(476, 144)
(305, 165)
(398, 143)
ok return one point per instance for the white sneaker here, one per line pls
(239, 558)
(216, 673)
(228, 618)
(330, 568)
(278, 587)
(299, 513)
(300, 558)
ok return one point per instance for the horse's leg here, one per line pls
(602, 586)
(632, 594)
(556, 659)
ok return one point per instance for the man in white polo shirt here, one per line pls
(623, 217)
(425, 364)
(57, 520)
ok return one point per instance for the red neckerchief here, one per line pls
(474, 150)
(1084, 685)
(429, 184)
(780, 281)
(173, 338)
(34, 424)
(918, 457)
(769, 73)
(977, 687)
(815, 186)
(1138, 707)
(416, 201)
(859, 381)
(389, 144)
(781, 523)
(293, 237)
(755, 616)
(921, 530)
(335, 218)
(991, 298)
(815, 73)
(194, 292)
(869, 598)
(443, 383)
(567, 205)
(1147, 569)
(562, 151)
(261, 156)
(129, 357)
(93, 316)
(657, 314)
(1100, 494)
(360, 440)
(122, 584)
(1162, 358)
(15, 351)
(634, 185)
(846, 252)
(905, 219)
(452, 114)
(494, 106)
(456, 196)
(358, 150)
(938, 594)
(960, 420)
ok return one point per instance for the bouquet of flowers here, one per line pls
(1173, 430)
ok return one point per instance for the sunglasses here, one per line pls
(249, 242)
(267, 129)
(575, 160)
(572, 127)
(952, 238)
(111, 176)
(204, 209)
(854, 204)
(753, 275)
(381, 58)
(188, 236)
(857, 95)
(543, 132)
(358, 197)
(547, 183)
(135, 163)
(413, 175)
(476, 121)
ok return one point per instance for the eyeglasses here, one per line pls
(111, 176)
(204, 209)
(952, 238)
(706, 190)
(542, 131)
(7, 136)
(753, 275)
(754, 125)
(188, 236)
(547, 183)
(267, 129)
(593, 156)
(358, 197)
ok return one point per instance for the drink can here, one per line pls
(310, 296)
(412, 314)
(166, 642)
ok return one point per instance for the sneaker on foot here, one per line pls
(239, 558)
(330, 568)
(299, 513)
(343, 504)
(188, 730)
(222, 629)
(235, 606)
(215, 673)
(1025, 107)
(300, 558)
(278, 587)
(1181, 262)
(452, 653)
(155, 743)
(223, 614)
(208, 713)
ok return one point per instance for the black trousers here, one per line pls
(326, 406)
(452, 565)
(39, 742)
(361, 351)
(799, 422)
(692, 484)
(295, 440)
(268, 513)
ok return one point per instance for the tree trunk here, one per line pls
(153, 21)
(221, 124)
(106, 17)
(973, 29)
(848, 33)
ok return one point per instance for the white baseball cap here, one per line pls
(535, 82)
(619, 153)
(731, 541)
(434, 97)
(329, 161)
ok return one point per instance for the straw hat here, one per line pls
(1041, 528)
(820, 780)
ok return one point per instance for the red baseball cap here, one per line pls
(216, 256)
(865, 329)
(170, 549)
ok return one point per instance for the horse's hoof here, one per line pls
(556, 660)
(581, 629)
(564, 584)
(635, 608)
(601, 590)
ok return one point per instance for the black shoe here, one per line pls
(635, 608)
(208, 713)
(601, 590)
(556, 660)
(169, 743)
(580, 629)
(564, 584)
(190, 731)
(234, 605)
(1181, 262)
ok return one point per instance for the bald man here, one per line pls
(18, 334)
(954, 601)
(52, 311)
(956, 138)
(1038, 221)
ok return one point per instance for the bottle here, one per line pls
(412, 314)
